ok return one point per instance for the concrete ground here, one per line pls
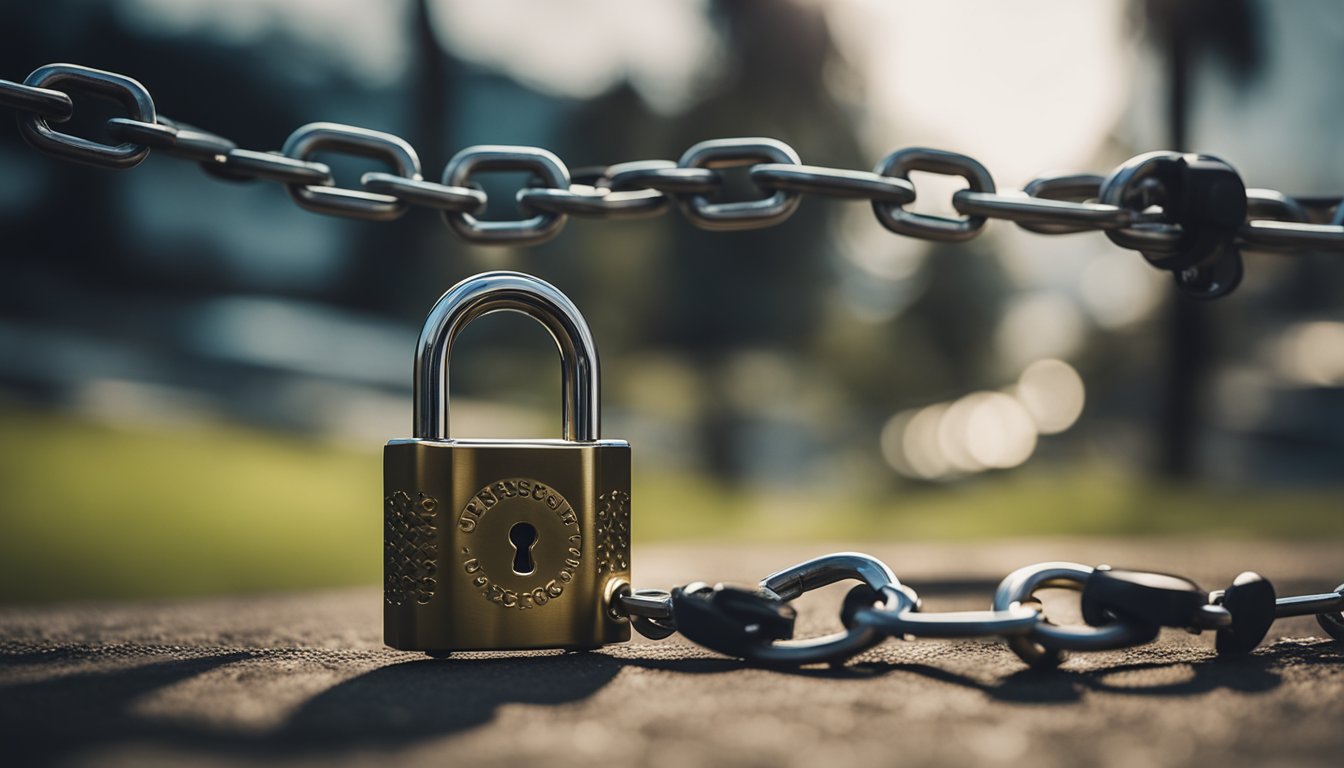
(304, 680)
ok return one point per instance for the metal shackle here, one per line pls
(580, 384)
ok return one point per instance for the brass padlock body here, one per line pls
(505, 544)
(450, 581)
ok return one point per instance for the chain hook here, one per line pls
(1204, 202)
(1043, 647)
(769, 647)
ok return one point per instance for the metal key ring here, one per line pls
(1043, 646)
(791, 583)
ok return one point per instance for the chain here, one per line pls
(1186, 213)
(1120, 609)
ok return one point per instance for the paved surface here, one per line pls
(304, 680)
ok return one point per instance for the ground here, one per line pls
(303, 679)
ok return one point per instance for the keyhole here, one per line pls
(523, 537)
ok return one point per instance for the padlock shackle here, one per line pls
(580, 384)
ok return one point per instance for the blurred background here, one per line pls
(197, 377)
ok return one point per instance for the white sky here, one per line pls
(582, 48)
(1024, 87)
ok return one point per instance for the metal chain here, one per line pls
(1121, 609)
(1189, 214)
(1185, 213)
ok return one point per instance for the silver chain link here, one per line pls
(1052, 205)
(882, 607)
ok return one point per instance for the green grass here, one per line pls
(1074, 501)
(89, 510)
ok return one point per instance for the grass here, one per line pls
(89, 510)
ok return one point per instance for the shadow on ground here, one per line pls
(69, 702)
(43, 721)
(1257, 673)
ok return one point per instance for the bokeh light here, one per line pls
(1052, 392)
(984, 430)
(1312, 353)
(1000, 433)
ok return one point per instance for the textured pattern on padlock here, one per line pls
(613, 532)
(410, 550)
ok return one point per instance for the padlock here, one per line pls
(505, 544)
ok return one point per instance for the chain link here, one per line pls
(360, 204)
(1121, 609)
(1146, 204)
(130, 94)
